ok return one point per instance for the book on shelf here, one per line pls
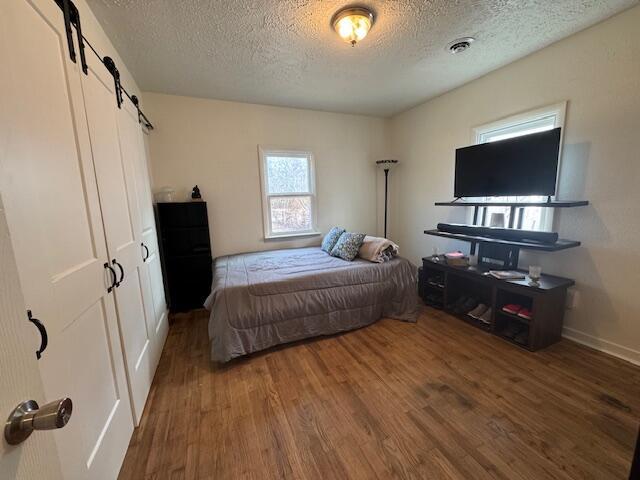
(507, 274)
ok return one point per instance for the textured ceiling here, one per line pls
(284, 52)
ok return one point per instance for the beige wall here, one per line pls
(598, 72)
(215, 144)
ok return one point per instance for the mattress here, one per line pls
(263, 299)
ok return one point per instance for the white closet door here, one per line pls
(48, 183)
(132, 143)
(118, 201)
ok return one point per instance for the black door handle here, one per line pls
(121, 272)
(145, 258)
(44, 338)
(114, 278)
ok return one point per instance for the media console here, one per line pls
(442, 285)
(546, 300)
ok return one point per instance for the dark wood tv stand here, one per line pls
(547, 300)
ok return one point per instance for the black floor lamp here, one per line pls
(386, 165)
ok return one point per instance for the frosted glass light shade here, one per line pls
(353, 24)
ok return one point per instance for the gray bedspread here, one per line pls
(268, 298)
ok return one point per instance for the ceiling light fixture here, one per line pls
(352, 23)
(460, 45)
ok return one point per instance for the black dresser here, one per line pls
(183, 230)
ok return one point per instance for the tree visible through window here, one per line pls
(288, 192)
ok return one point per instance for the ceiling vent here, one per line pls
(460, 45)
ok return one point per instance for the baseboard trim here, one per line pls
(624, 353)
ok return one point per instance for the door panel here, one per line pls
(130, 312)
(118, 200)
(87, 337)
(157, 290)
(155, 277)
(150, 239)
(143, 179)
(19, 375)
(120, 218)
(132, 144)
(53, 212)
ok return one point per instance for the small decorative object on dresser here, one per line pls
(165, 195)
(456, 259)
(534, 274)
(195, 194)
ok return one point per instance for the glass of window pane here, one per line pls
(290, 214)
(287, 175)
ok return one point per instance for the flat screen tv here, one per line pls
(525, 165)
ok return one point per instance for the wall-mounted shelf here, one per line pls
(552, 204)
(515, 207)
(545, 247)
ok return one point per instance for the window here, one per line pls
(288, 193)
(533, 218)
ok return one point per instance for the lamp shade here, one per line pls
(352, 24)
(386, 164)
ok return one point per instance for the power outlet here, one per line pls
(573, 299)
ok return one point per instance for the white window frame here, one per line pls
(263, 153)
(530, 117)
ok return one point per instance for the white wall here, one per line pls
(215, 144)
(598, 72)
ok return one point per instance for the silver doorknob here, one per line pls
(28, 417)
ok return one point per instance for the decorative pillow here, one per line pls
(348, 245)
(331, 238)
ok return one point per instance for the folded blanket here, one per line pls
(377, 249)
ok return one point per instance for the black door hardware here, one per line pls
(72, 18)
(146, 257)
(121, 272)
(76, 22)
(114, 278)
(44, 338)
(113, 70)
(142, 118)
(66, 12)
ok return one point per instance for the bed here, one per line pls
(263, 299)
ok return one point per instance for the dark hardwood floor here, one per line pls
(436, 399)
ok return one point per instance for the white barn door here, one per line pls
(49, 186)
(115, 172)
(134, 153)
